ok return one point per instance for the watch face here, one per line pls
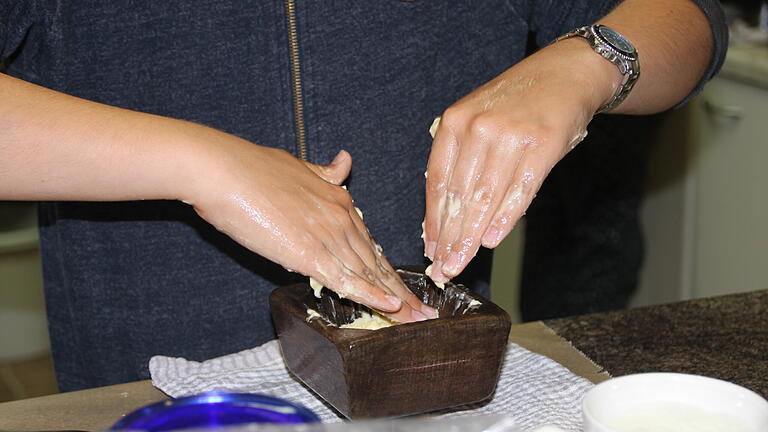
(616, 40)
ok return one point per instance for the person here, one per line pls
(185, 118)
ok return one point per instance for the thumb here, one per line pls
(337, 171)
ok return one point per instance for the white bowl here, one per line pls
(660, 402)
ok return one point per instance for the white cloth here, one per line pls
(533, 389)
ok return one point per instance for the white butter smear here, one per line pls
(313, 314)
(366, 321)
(433, 127)
(428, 272)
(317, 287)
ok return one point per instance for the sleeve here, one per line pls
(16, 18)
(551, 18)
(716, 17)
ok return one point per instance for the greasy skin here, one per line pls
(490, 154)
(296, 214)
(58, 147)
(493, 148)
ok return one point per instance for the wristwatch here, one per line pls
(616, 49)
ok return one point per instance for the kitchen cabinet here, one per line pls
(706, 212)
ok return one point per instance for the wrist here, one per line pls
(194, 153)
(598, 78)
(612, 46)
(208, 160)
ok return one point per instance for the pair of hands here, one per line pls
(490, 154)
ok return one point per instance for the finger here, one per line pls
(439, 167)
(335, 172)
(355, 251)
(452, 248)
(371, 253)
(363, 287)
(481, 204)
(337, 266)
(406, 314)
(360, 240)
(421, 310)
(335, 271)
(407, 295)
(350, 240)
(534, 166)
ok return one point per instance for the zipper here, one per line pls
(298, 99)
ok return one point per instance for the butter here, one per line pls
(365, 321)
(454, 205)
(428, 272)
(473, 304)
(313, 314)
(316, 287)
(434, 126)
(368, 321)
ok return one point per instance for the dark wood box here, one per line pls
(395, 371)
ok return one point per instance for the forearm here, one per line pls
(57, 147)
(674, 42)
(495, 146)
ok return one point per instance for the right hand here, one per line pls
(296, 214)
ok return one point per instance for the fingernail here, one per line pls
(339, 157)
(491, 238)
(438, 277)
(430, 312)
(394, 302)
(451, 266)
(436, 271)
(418, 316)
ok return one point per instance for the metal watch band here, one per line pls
(627, 62)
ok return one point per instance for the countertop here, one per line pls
(724, 337)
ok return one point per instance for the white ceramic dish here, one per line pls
(671, 402)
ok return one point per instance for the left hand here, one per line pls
(494, 147)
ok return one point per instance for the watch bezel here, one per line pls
(597, 32)
(628, 63)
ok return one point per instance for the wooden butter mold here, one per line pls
(401, 370)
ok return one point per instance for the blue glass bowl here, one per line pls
(214, 409)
